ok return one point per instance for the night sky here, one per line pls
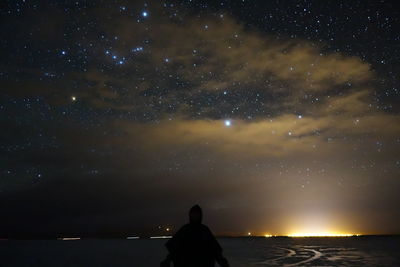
(277, 117)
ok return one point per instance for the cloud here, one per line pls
(211, 55)
(261, 75)
(278, 137)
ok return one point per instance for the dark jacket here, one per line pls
(195, 246)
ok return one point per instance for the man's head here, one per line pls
(195, 214)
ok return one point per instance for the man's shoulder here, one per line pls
(191, 225)
(185, 226)
(194, 227)
(183, 229)
(205, 227)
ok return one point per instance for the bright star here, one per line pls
(137, 49)
(73, 98)
(145, 14)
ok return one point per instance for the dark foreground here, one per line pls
(344, 251)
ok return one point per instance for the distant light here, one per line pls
(166, 59)
(322, 234)
(268, 235)
(145, 14)
(73, 98)
(227, 123)
(69, 238)
(289, 133)
(167, 229)
(132, 237)
(300, 116)
(249, 233)
(63, 53)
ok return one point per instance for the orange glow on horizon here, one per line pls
(321, 234)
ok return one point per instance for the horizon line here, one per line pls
(77, 238)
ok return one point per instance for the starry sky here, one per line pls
(274, 116)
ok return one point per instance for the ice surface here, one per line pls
(241, 252)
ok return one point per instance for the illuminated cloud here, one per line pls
(272, 75)
(282, 136)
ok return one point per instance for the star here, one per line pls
(73, 98)
(137, 49)
(145, 14)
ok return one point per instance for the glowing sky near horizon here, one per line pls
(275, 118)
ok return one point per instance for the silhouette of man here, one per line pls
(194, 245)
